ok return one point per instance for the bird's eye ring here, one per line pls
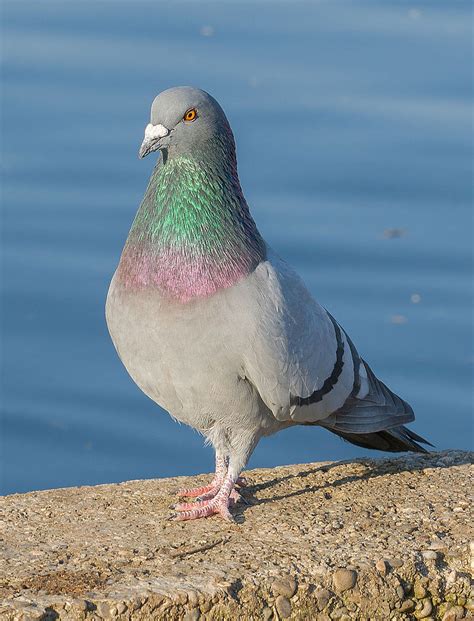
(190, 115)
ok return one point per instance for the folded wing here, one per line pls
(305, 367)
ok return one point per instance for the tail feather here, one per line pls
(393, 440)
(378, 410)
(376, 420)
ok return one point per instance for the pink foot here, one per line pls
(235, 497)
(197, 491)
(203, 509)
(223, 497)
(210, 494)
(206, 492)
(202, 501)
(186, 506)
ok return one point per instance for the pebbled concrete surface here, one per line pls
(369, 539)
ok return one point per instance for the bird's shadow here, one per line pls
(373, 469)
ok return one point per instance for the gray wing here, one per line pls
(305, 367)
(378, 409)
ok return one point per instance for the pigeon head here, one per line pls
(193, 233)
(185, 121)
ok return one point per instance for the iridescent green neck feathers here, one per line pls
(193, 233)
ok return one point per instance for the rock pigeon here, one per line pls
(218, 330)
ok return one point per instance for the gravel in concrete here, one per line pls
(368, 539)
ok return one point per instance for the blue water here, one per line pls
(353, 130)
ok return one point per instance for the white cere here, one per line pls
(155, 131)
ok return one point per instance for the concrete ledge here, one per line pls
(369, 539)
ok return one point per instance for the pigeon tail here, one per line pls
(394, 440)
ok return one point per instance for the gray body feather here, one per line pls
(247, 361)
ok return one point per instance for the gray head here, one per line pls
(186, 120)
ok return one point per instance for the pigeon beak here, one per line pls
(152, 140)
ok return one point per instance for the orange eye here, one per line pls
(190, 115)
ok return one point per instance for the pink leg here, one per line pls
(204, 508)
(213, 488)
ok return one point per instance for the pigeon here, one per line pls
(217, 329)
